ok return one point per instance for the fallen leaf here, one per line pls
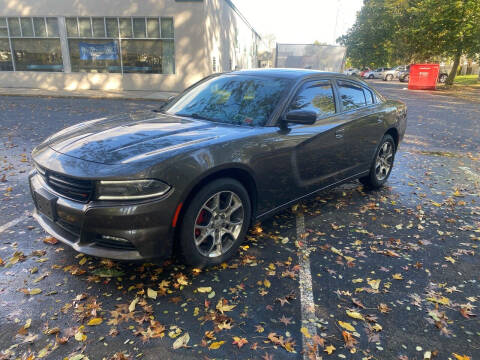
(182, 341)
(346, 326)
(239, 341)
(152, 294)
(330, 349)
(132, 305)
(95, 321)
(216, 345)
(204, 289)
(355, 315)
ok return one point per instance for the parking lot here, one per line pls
(351, 273)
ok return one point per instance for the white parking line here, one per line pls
(12, 223)
(309, 318)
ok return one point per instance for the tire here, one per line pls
(377, 177)
(204, 223)
(442, 78)
(370, 77)
(406, 78)
(389, 77)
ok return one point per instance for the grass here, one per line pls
(469, 80)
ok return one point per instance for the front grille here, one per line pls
(72, 188)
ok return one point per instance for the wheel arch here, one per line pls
(393, 132)
(239, 173)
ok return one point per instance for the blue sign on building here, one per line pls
(108, 51)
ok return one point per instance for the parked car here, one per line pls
(393, 73)
(404, 76)
(375, 74)
(351, 71)
(193, 176)
(364, 70)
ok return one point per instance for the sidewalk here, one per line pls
(92, 94)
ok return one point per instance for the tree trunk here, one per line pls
(453, 72)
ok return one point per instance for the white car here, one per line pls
(393, 73)
(375, 74)
(351, 71)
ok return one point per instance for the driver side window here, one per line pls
(316, 96)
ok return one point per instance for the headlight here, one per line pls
(131, 189)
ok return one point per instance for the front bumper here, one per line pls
(94, 228)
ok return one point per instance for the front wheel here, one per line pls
(215, 223)
(442, 78)
(370, 76)
(382, 164)
(389, 77)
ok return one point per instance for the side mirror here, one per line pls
(301, 117)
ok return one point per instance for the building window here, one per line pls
(34, 43)
(125, 44)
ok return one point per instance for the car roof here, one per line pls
(294, 74)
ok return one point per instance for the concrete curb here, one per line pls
(88, 94)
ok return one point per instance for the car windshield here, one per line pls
(232, 99)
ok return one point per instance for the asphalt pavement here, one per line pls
(349, 274)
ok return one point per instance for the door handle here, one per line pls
(339, 133)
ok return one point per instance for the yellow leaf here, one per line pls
(355, 315)
(152, 294)
(436, 204)
(397, 276)
(216, 345)
(27, 324)
(346, 326)
(330, 349)
(305, 332)
(35, 291)
(336, 251)
(95, 321)
(375, 284)
(222, 308)
(132, 305)
(206, 289)
(461, 357)
(355, 281)
(83, 260)
(79, 336)
(449, 258)
(266, 283)
(442, 300)
(377, 327)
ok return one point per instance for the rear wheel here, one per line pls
(215, 223)
(389, 77)
(382, 164)
(370, 76)
(442, 78)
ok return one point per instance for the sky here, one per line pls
(301, 21)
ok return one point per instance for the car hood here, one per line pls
(135, 137)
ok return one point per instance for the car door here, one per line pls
(315, 152)
(364, 127)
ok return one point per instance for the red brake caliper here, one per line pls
(200, 220)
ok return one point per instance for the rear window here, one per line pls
(351, 95)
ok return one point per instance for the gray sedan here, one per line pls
(192, 177)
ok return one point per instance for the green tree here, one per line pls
(394, 31)
(447, 28)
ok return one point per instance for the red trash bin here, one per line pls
(423, 76)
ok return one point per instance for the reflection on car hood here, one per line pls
(132, 137)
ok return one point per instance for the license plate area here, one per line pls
(46, 203)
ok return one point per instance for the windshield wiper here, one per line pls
(194, 116)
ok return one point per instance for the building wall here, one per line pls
(231, 42)
(202, 30)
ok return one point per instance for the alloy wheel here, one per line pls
(218, 224)
(384, 161)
